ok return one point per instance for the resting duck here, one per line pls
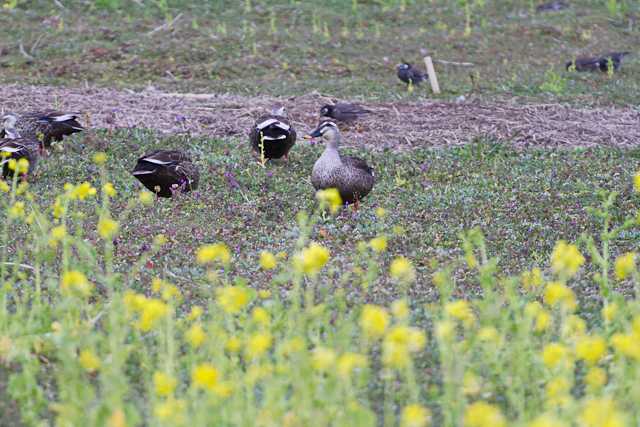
(46, 126)
(167, 171)
(272, 136)
(18, 148)
(343, 112)
(351, 176)
(410, 75)
(598, 63)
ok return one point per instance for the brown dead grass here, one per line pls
(392, 125)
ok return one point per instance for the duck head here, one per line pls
(326, 111)
(403, 66)
(9, 122)
(326, 130)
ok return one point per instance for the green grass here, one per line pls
(282, 48)
(522, 200)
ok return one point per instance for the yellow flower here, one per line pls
(109, 189)
(380, 212)
(412, 338)
(58, 208)
(532, 279)
(349, 362)
(330, 198)
(400, 309)
(635, 325)
(311, 259)
(145, 197)
(261, 316)
(195, 313)
(488, 334)
(374, 321)
(264, 293)
(566, 258)
(100, 158)
(195, 335)
(591, 349)
(75, 282)
(17, 210)
(323, 358)
(471, 385)
(222, 389)
(415, 415)
(171, 411)
(152, 311)
(557, 391)
(59, 232)
(232, 299)
(546, 420)
(401, 269)
(107, 228)
(267, 260)
(233, 345)
(626, 344)
(609, 311)
(4, 187)
(445, 330)
(601, 412)
(89, 361)
(595, 378)
(553, 354)
(215, 252)
(559, 294)
(82, 191)
(461, 311)
(204, 376)
(164, 384)
(117, 419)
(378, 244)
(258, 344)
(20, 167)
(625, 265)
(482, 414)
(636, 182)
(542, 321)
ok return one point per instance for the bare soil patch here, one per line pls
(392, 125)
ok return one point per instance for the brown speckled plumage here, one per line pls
(351, 176)
(46, 126)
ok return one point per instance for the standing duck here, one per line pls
(598, 63)
(343, 112)
(167, 171)
(272, 136)
(351, 176)
(18, 148)
(46, 126)
(410, 75)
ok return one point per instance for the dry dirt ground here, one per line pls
(392, 125)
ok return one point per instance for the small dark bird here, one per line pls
(272, 136)
(167, 171)
(598, 63)
(46, 126)
(18, 148)
(351, 176)
(343, 112)
(552, 6)
(407, 74)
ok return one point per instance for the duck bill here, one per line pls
(314, 134)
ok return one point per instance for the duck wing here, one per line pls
(358, 163)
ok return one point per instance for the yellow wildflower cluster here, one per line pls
(374, 321)
(401, 269)
(107, 228)
(217, 252)
(311, 260)
(415, 415)
(75, 283)
(566, 259)
(20, 166)
(378, 244)
(258, 344)
(268, 260)
(232, 299)
(149, 310)
(482, 414)
(461, 311)
(89, 361)
(399, 343)
(349, 362)
(559, 294)
(164, 384)
(81, 191)
(625, 265)
(330, 198)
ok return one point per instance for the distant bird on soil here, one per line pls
(343, 112)
(598, 63)
(46, 126)
(165, 172)
(408, 74)
(351, 176)
(18, 148)
(272, 136)
(552, 6)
